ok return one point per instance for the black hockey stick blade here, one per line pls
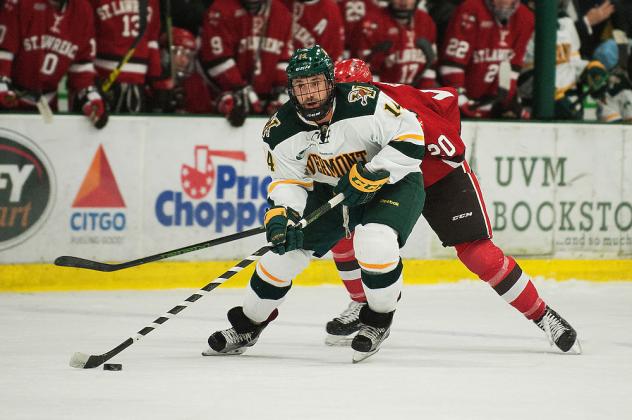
(85, 361)
(426, 47)
(76, 262)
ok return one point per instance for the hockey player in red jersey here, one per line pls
(117, 24)
(317, 22)
(245, 46)
(353, 13)
(184, 91)
(408, 37)
(451, 189)
(480, 36)
(41, 41)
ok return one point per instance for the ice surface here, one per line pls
(456, 351)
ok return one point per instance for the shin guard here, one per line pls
(349, 269)
(503, 274)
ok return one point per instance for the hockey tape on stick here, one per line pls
(142, 26)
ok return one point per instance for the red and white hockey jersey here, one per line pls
(238, 48)
(402, 61)
(317, 22)
(40, 44)
(117, 24)
(353, 12)
(475, 45)
(438, 112)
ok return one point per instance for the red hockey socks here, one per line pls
(503, 274)
(349, 269)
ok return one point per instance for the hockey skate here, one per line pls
(236, 340)
(559, 332)
(344, 325)
(375, 328)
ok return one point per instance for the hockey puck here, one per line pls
(112, 366)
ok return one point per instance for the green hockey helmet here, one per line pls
(305, 63)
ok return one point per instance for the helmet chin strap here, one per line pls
(315, 114)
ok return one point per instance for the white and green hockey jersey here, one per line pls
(367, 126)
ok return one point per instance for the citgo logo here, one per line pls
(233, 197)
(98, 190)
(26, 188)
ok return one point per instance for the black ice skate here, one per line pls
(374, 329)
(341, 327)
(236, 340)
(559, 332)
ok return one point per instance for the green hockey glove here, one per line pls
(284, 238)
(360, 185)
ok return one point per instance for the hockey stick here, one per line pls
(76, 262)
(34, 98)
(169, 30)
(142, 25)
(84, 361)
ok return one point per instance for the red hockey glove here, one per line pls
(236, 105)
(468, 106)
(251, 99)
(93, 107)
(470, 110)
(279, 98)
(8, 97)
(226, 103)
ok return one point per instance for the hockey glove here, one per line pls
(595, 78)
(280, 97)
(284, 238)
(8, 97)
(470, 108)
(360, 185)
(93, 106)
(236, 105)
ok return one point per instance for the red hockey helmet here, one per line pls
(183, 50)
(352, 70)
(183, 38)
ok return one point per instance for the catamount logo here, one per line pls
(26, 188)
(272, 122)
(362, 94)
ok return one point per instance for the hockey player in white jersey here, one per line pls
(333, 138)
(568, 71)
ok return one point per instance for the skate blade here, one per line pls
(576, 349)
(359, 356)
(211, 352)
(338, 340)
